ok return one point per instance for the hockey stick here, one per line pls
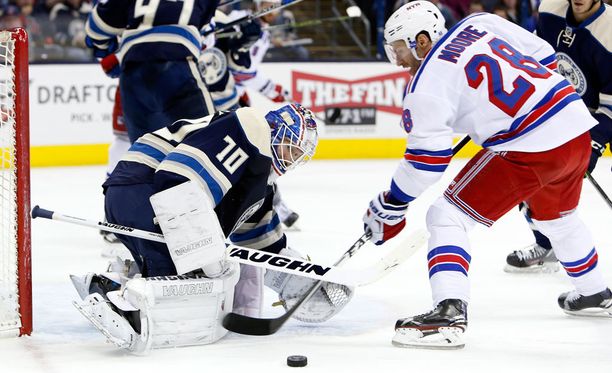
(250, 17)
(277, 262)
(256, 326)
(313, 22)
(599, 189)
(229, 2)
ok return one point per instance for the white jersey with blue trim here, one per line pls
(493, 80)
(250, 76)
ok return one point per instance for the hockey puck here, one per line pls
(297, 361)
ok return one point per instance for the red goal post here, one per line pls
(15, 238)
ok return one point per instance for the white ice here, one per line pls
(515, 323)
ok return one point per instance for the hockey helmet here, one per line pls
(409, 21)
(294, 136)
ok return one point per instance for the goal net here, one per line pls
(15, 275)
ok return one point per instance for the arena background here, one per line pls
(71, 105)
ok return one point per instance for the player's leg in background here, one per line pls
(554, 213)
(155, 94)
(119, 146)
(535, 258)
(286, 215)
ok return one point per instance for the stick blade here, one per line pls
(250, 325)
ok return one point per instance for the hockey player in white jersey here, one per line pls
(488, 78)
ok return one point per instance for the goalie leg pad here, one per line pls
(326, 302)
(164, 311)
(191, 228)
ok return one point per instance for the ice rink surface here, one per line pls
(515, 324)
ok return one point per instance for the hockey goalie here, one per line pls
(201, 182)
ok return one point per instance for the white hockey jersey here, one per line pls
(492, 80)
(251, 77)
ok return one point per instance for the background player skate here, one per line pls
(198, 182)
(579, 32)
(485, 77)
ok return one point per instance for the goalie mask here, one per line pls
(409, 21)
(294, 136)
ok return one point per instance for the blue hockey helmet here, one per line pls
(294, 136)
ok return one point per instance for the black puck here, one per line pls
(297, 361)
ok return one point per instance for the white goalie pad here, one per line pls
(164, 311)
(191, 229)
(321, 306)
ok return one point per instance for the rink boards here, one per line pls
(71, 106)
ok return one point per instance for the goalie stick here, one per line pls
(277, 262)
(258, 326)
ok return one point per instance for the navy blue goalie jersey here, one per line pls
(153, 29)
(584, 53)
(228, 155)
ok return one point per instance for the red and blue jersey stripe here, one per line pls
(448, 258)
(549, 62)
(555, 100)
(426, 160)
(582, 266)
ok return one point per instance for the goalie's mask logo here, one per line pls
(294, 136)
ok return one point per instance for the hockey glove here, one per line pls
(279, 94)
(248, 34)
(597, 151)
(110, 65)
(385, 218)
(102, 48)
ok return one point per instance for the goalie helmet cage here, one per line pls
(15, 241)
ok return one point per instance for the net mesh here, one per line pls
(9, 301)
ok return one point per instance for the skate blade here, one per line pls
(85, 310)
(81, 284)
(591, 312)
(447, 338)
(544, 268)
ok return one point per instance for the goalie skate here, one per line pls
(596, 305)
(532, 259)
(101, 315)
(440, 329)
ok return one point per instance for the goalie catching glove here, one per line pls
(385, 218)
(326, 302)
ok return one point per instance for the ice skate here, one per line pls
(441, 328)
(91, 283)
(532, 259)
(104, 317)
(598, 305)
